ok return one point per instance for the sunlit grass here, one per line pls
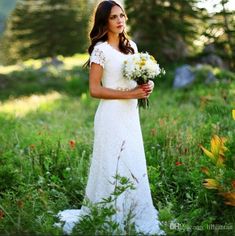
(21, 106)
(76, 60)
(41, 168)
(9, 69)
(68, 63)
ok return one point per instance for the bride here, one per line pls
(118, 145)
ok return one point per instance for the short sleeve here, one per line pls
(97, 56)
(134, 46)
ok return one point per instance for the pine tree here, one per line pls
(46, 28)
(222, 33)
(165, 28)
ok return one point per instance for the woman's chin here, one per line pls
(119, 31)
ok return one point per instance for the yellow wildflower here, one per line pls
(217, 145)
(205, 170)
(211, 184)
(230, 197)
(208, 153)
(217, 151)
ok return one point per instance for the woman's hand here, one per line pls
(138, 92)
(142, 91)
(148, 87)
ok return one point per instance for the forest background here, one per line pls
(46, 137)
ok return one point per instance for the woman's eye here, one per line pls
(115, 17)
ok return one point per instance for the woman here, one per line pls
(118, 145)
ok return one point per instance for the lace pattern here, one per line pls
(117, 146)
(98, 57)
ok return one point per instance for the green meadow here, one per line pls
(46, 136)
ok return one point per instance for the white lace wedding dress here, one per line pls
(118, 146)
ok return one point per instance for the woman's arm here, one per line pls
(98, 91)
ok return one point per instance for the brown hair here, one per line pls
(99, 29)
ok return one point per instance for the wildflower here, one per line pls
(72, 144)
(230, 197)
(178, 163)
(1, 214)
(217, 145)
(233, 183)
(233, 113)
(205, 170)
(211, 184)
(220, 160)
(217, 151)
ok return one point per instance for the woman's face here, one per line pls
(117, 20)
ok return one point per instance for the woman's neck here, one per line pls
(113, 40)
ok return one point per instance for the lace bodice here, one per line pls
(112, 62)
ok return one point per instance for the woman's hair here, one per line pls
(99, 29)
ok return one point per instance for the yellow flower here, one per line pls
(220, 160)
(205, 170)
(217, 145)
(211, 184)
(152, 58)
(217, 151)
(208, 153)
(230, 197)
(142, 62)
(233, 113)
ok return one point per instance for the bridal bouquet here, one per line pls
(141, 67)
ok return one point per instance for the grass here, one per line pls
(46, 144)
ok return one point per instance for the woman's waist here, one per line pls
(108, 109)
(118, 101)
(121, 85)
(120, 105)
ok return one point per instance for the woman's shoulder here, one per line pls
(132, 42)
(100, 45)
(99, 54)
(133, 45)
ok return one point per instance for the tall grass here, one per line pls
(46, 136)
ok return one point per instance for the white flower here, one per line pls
(141, 66)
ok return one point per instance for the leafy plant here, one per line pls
(220, 176)
(100, 217)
